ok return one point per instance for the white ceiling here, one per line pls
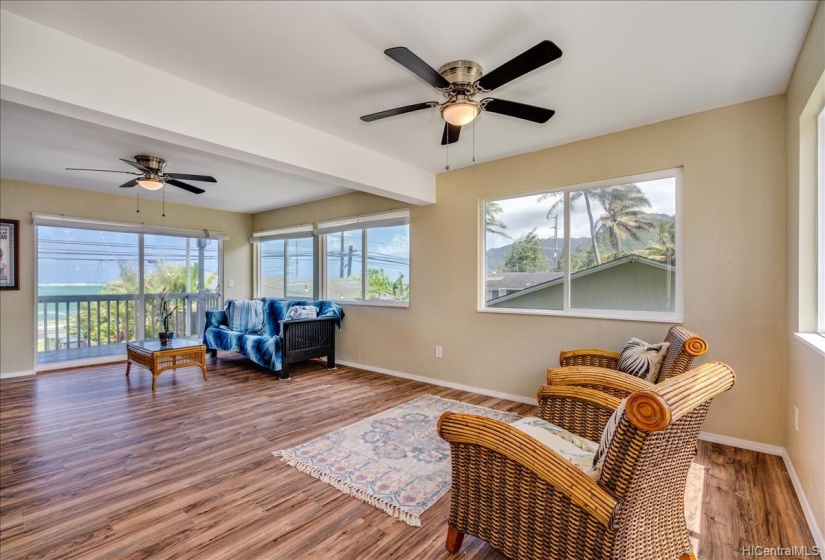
(38, 146)
(625, 64)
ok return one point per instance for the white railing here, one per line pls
(77, 321)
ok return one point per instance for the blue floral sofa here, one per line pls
(276, 341)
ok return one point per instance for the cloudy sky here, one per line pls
(524, 213)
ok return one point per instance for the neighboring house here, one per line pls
(505, 283)
(631, 282)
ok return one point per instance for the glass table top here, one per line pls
(154, 345)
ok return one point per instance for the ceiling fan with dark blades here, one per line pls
(152, 175)
(461, 80)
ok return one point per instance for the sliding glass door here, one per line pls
(98, 289)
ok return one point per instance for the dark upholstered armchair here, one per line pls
(529, 502)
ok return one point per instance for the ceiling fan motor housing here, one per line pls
(156, 164)
(461, 74)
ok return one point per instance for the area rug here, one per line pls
(394, 460)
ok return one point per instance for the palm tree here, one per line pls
(574, 197)
(622, 214)
(664, 248)
(491, 212)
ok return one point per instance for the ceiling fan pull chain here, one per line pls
(447, 167)
(474, 139)
(138, 202)
(163, 211)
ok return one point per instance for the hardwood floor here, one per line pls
(96, 465)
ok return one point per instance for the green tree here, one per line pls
(623, 215)
(493, 223)
(380, 286)
(664, 248)
(526, 255)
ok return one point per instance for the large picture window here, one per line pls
(605, 249)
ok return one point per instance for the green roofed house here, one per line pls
(630, 282)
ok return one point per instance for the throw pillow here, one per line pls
(245, 315)
(642, 359)
(607, 437)
(301, 312)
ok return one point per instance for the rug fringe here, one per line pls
(512, 414)
(409, 518)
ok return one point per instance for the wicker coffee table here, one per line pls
(180, 352)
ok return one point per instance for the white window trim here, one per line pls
(677, 316)
(320, 230)
(820, 220)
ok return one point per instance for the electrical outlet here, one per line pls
(796, 418)
(231, 283)
(439, 352)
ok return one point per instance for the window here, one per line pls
(98, 284)
(287, 268)
(382, 277)
(605, 249)
(820, 156)
(363, 259)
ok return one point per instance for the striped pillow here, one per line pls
(245, 315)
(642, 359)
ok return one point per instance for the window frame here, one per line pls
(676, 316)
(820, 220)
(364, 272)
(257, 254)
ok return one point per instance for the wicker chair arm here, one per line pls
(533, 455)
(589, 357)
(590, 376)
(593, 396)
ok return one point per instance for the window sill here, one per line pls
(815, 341)
(373, 303)
(592, 314)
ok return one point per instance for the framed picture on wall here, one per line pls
(9, 254)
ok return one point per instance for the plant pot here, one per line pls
(166, 337)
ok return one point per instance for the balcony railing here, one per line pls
(84, 321)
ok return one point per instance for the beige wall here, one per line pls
(805, 367)
(734, 177)
(18, 200)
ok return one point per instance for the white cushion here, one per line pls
(575, 449)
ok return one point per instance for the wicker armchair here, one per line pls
(685, 346)
(530, 503)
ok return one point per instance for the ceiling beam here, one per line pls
(53, 71)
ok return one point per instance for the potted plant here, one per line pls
(164, 313)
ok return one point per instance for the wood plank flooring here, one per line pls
(94, 465)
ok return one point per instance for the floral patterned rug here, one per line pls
(394, 460)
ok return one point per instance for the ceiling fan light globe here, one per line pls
(459, 114)
(150, 184)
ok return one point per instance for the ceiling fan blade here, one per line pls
(517, 110)
(184, 186)
(128, 184)
(451, 132)
(190, 177)
(406, 58)
(398, 111)
(104, 170)
(529, 60)
(137, 166)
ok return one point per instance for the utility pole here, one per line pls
(349, 262)
(556, 244)
(341, 257)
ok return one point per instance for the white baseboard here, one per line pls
(803, 501)
(84, 362)
(442, 383)
(742, 443)
(10, 374)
